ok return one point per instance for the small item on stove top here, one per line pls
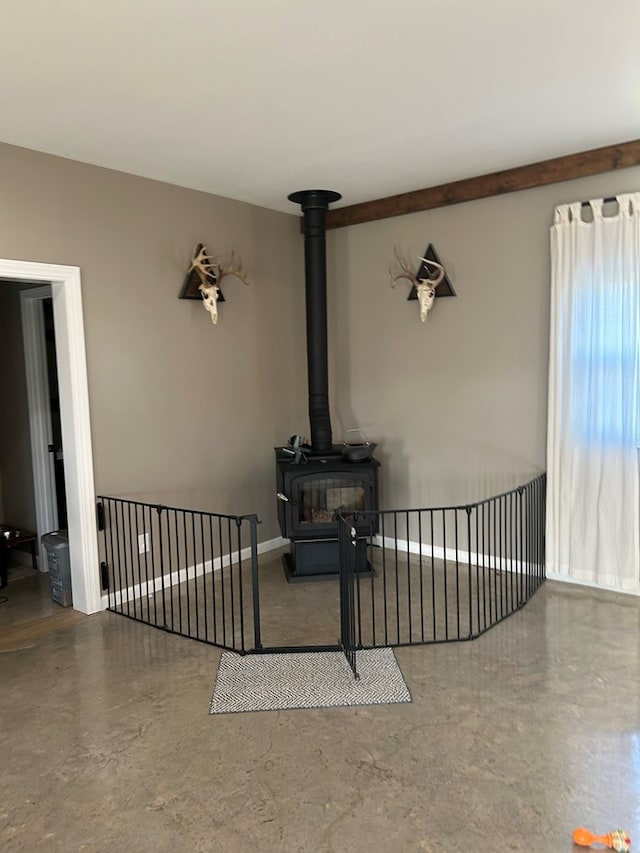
(358, 451)
(297, 448)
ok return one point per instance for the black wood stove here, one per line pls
(315, 481)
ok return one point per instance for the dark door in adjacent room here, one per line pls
(55, 448)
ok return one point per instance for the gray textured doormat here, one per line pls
(287, 681)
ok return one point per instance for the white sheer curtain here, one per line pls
(593, 503)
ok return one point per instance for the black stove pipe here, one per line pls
(314, 205)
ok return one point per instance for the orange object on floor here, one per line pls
(617, 839)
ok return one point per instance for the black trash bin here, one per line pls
(56, 545)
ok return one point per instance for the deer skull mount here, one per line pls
(209, 273)
(425, 286)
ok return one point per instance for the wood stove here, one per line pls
(313, 485)
(309, 495)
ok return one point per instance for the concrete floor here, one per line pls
(511, 741)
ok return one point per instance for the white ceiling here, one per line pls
(253, 99)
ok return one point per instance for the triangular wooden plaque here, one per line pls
(190, 288)
(445, 288)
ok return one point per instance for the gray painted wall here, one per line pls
(187, 414)
(181, 412)
(459, 403)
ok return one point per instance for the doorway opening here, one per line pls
(77, 462)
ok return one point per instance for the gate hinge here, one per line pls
(100, 515)
(104, 575)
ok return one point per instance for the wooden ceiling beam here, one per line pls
(594, 162)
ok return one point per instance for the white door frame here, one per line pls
(76, 427)
(35, 361)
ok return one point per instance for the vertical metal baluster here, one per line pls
(541, 531)
(433, 580)
(371, 553)
(485, 560)
(508, 542)
(477, 546)
(514, 548)
(501, 555)
(113, 521)
(508, 526)
(120, 535)
(544, 526)
(240, 585)
(134, 559)
(361, 542)
(493, 586)
(186, 570)
(406, 521)
(537, 524)
(142, 563)
(195, 571)
(527, 542)
(214, 607)
(170, 548)
(222, 593)
(420, 568)
(538, 540)
(514, 554)
(446, 591)
(231, 583)
(375, 526)
(384, 580)
(162, 581)
(468, 511)
(505, 535)
(531, 541)
(523, 545)
(152, 558)
(534, 537)
(396, 568)
(178, 570)
(122, 571)
(496, 560)
(204, 577)
(255, 587)
(455, 531)
(140, 557)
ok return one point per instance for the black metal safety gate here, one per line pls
(348, 539)
(183, 571)
(407, 577)
(440, 575)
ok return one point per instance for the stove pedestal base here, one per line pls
(319, 560)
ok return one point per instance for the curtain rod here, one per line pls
(604, 201)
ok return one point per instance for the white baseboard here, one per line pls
(144, 589)
(481, 561)
(272, 544)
